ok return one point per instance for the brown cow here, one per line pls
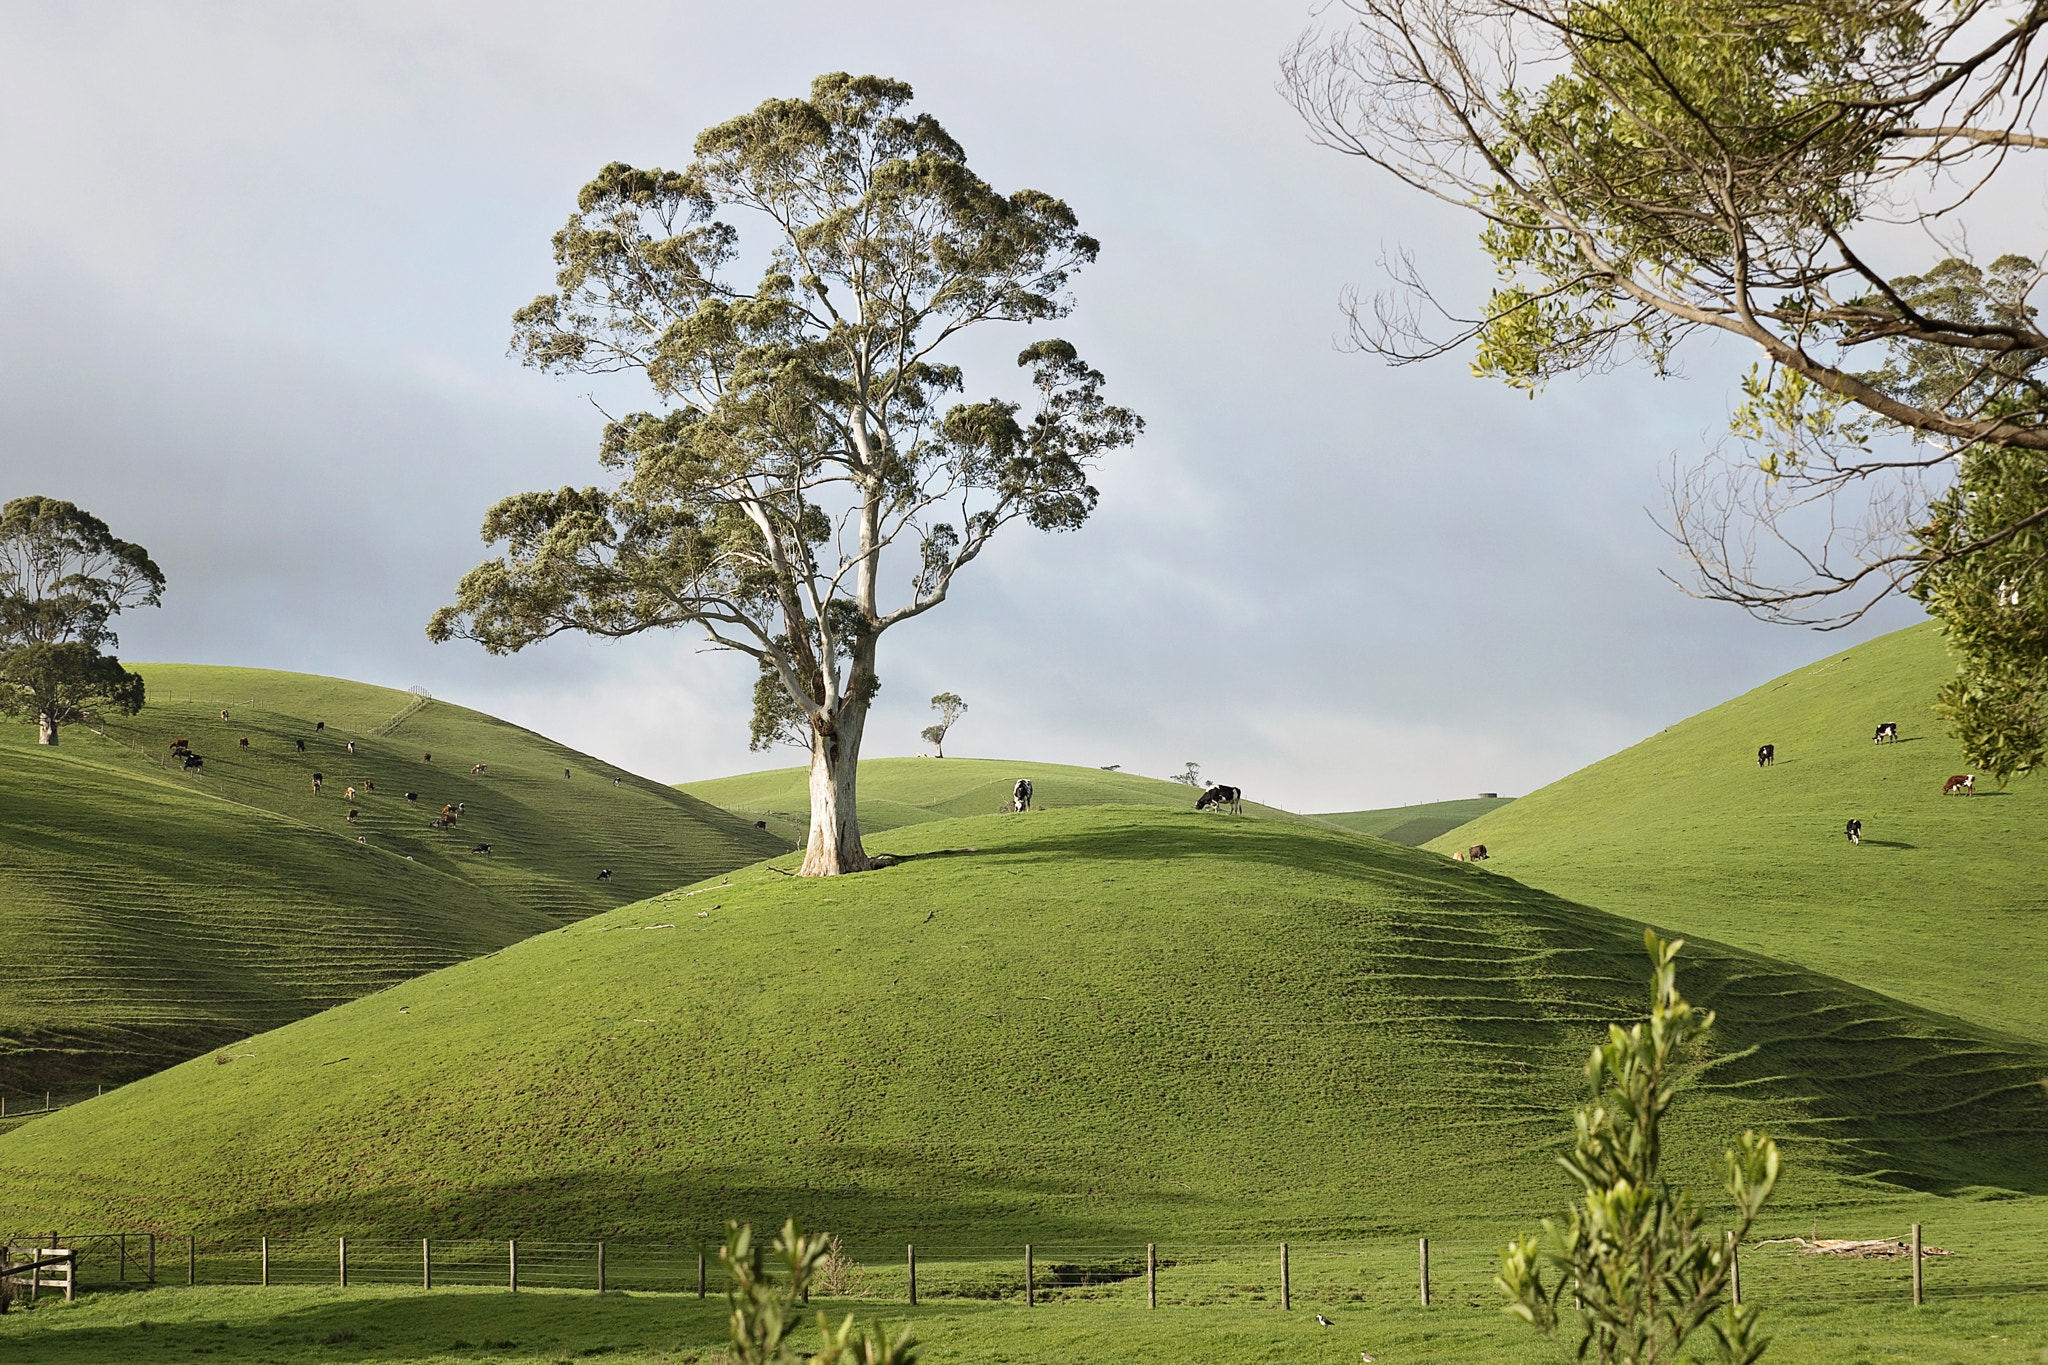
(1966, 783)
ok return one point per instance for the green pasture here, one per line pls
(149, 914)
(1987, 1302)
(895, 792)
(1416, 824)
(1943, 906)
(1092, 1024)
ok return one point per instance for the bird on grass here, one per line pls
(1324, 1321)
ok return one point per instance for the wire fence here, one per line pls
(1448, 1273)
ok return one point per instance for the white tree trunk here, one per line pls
(834, 846)
(46, 730)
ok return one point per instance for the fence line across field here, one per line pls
(1330, 1276)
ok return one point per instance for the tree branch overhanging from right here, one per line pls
(1644, 171)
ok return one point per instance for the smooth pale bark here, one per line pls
(46, 730)
(834, 844)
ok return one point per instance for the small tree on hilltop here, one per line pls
(766, 1311)
(1633, 1254)
(808, 433)
(1191, 776)
(64, 576)
(950, 709)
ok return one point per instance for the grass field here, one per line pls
(895, 792)
(1945, 904)
(149, 914)
(1415, 824)
(1215, 1305)
(1111, 1023)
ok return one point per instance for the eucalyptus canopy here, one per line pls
(64, 576)
(1645, 171)
(813, 429)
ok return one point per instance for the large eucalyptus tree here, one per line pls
(810, 430)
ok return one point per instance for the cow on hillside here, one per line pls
(1222, 798)
(1020, 795)
(1966, 783)
(1854, 830)
(1887, 733)
(1766, 755)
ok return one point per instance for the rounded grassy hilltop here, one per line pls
(1112, 1021)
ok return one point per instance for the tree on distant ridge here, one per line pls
(1190, 776)
(1644, 172)
(64, 576)
(950, 709)
(808, 433)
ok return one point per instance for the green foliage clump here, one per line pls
(765, 1310)
(1642, 1273)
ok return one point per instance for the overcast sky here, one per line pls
(257, 266)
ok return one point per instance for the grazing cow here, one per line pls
(193, 761)
(223, 715)
(462, 807)
(1854, 830)
(1222, 798)
(368, 785)
(354, 815)
(350, 793)
(362, 838)
(316, 784)
(1966, 783)
(484, 849)
(565, 772)
(617, 781)
(1458, 857)
(1887, 733)
(351, 746)
(477, 771)
(179, 745)
(244, 743)
(760, 824)
(319, 725)
(301, 743)
(426, 758)
(604, 874)
(1476, 853)
(412, 796)
(1766, 755)
(1020, 795)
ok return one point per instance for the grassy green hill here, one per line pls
(148, 913)
(1104, 1022)
(895, 792)
(1945, 904)
(1415, 824)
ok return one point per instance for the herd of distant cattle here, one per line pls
(181, 750)
(1887, 733)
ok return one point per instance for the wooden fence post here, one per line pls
(700, 1274)
(600, 1267)
(1422, 1251)
(264, 1249)
(1151, 1274)
(191, 1259)
(343, 1250)
(152, 1257)
(122, 1253)
(512, 1264)
(1030, 1289)
(1286, 1284)
(426, 1263)
(1916, 1265)
(910, 1253)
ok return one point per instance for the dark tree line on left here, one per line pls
(64, 577)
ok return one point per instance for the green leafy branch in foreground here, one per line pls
(1642, 1274)
(766, 1311)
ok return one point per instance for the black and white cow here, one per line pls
(1854, 831)
(1766, 755)
(1887, 733)
(1020, 795)
(1222, 798)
